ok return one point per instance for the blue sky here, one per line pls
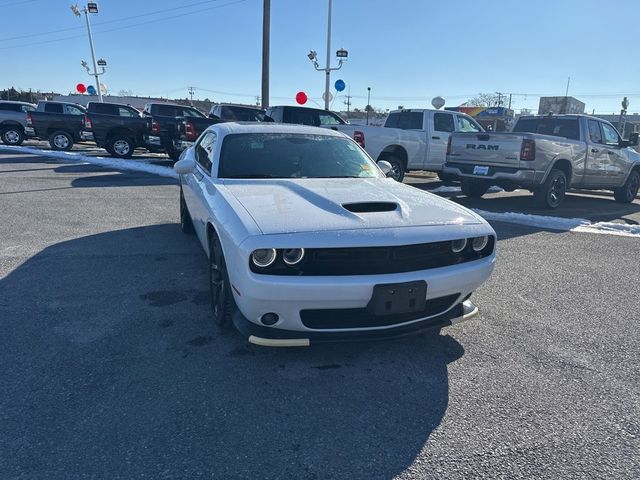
(407, 51)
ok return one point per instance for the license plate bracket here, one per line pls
(398, 298)
(480, 170)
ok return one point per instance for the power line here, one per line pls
(123, 27)
(17, 3)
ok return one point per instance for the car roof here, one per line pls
(16, 101)
(270, 127)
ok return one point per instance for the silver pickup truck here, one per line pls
(13, 121)
(547, 155)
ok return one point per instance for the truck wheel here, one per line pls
(222, 302)
(12, 136)
(627, 193)
(121, 147)
(551, 193)
(474, 188)
(186, 224)
(61, 141)
(397, 168)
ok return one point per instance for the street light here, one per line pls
(341, 54)
(368, 103)
(91, 7)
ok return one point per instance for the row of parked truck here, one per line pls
(545, 154)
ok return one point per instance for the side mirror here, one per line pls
(386, 167)
(186, 165)
(634, 139)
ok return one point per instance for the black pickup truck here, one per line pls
(304, 116)
(61, 123)
(190, 128)
(162, 125)
(117, 128)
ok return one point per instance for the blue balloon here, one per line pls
(91, 90)
(340, 85)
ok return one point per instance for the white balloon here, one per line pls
(437, 102)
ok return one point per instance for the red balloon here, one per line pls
(81, 88)
(301, 98)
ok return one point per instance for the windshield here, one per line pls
(287, 155)
(191, 112)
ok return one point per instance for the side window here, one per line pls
(595, 135)
(328, 119)
(53, 107)
(301, 116)
(71, 110)
(127, 112)
(27, 108)
(105, 108)
(611, 137)
(275, 114)
(204, 151)
(466, 125)
(443, 122)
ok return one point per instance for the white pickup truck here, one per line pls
(412, 139)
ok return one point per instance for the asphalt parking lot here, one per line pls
(113, 369)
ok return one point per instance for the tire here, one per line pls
(121, 146)
(12, 135)
(551, 193)
(447, 177)
(397, 168)
(186, 224)
(474, 188)
(61, 141)
(222, 303)
(173, 154)
(627, 193)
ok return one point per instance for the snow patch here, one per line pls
(131, 165)
(565, 224)
(448, 189)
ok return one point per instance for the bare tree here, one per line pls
(486, 100)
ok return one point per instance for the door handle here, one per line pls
(435, 138)
(609, 152)
(594, 150)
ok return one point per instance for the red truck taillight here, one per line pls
(29, 120)
(155, 127)
(528, 150)
(189, 131)
(87, 123)
(449, 146)
(358, 136)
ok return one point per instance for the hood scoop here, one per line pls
(370, 207)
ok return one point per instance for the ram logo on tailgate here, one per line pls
(481, 146)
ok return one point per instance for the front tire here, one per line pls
(223, 304)
(186, 224)
(474, 188)
(121, 147)
(61, 141)
(12, 136)
(551, 193)
(627, 193)
(397, 168)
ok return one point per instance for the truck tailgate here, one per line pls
(485, 148)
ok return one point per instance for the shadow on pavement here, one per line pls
(112, 368)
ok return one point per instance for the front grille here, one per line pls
(375, 260)
(336, 318)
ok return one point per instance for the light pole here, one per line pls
(342, 55)
(623, 116)
(368, 103)
(91, 7)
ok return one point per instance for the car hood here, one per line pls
(318, 204)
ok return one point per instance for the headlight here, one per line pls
(458, 245)
(479, 243)
(263, 257)
(292, 256)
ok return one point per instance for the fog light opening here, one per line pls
(269, 319)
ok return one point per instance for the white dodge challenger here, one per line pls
(308, 241)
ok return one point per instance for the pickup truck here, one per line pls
(162, 125)
(13, 121)
(61, 123)
(117, 128)
(315, 117)
(191, 127)
(547, 155)
(411, 139)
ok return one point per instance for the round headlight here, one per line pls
(263, 257)
(458, 245)
(479, 243)
(291, 256)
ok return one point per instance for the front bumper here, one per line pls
(270, 337)
(496, 173)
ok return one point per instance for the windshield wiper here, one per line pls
(339, 176)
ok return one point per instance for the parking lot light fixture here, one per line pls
(91, 7)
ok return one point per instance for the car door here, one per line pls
(443, 126)
(616, 161)
(200, 184)
(595, 165)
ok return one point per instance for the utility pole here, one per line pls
(510, 95)
(347, 102)
(499, 98)
(368, 103)
(266, 33)
(191, 90)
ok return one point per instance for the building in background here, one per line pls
(560, 105)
